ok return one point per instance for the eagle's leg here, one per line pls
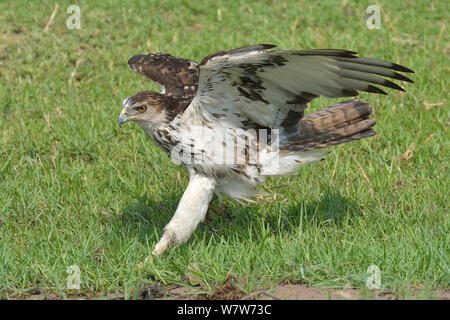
(190, 212)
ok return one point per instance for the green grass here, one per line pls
(76, 190)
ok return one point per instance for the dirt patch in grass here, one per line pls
(231, 290)
(303, 292)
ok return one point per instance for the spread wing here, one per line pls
(177, 77)
(253, 86)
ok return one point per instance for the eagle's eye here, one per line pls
(142, 108)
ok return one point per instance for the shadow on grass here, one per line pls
(146, 216)
(330, 207)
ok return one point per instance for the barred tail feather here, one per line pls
(340, 123)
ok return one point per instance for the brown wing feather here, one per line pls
(178, 77)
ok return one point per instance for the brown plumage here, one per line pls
(179, 77)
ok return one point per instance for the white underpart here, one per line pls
(190, 212)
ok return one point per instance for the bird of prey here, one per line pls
(239, 116)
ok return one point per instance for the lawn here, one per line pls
(77, 190)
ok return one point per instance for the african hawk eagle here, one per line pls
(238, 116)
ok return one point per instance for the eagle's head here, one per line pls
(147, 108)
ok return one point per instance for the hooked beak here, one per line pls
(122, 118)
